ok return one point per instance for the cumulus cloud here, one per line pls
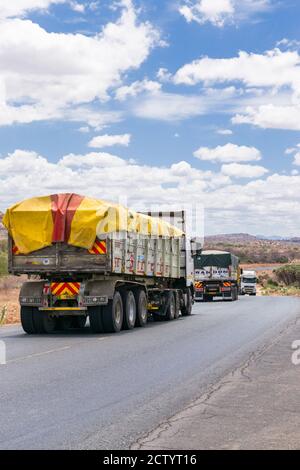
(270, 93)
(237, 170)
(263, 203)
(220, 12)
(49, 75)
(228, 153)
(224, 131)
(136, 88)
(270, 116)
(106, 140)
(13, 8)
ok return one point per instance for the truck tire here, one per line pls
(43, 323)
(95, 316)
(112, 314)
(64, 323)
(141, 307)
(79, 322)
(27, 320)
(177, 309)
(186, 310)
(170, 313)
(129, 309)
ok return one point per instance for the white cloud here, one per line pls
(270, 93)
(297, 159)
(136, 88)
(169, 107)
(224, 131)
(50, 75)
(267, 205)
(14, 8)
(220, 12)
(106, 140)
(228, 153)
(270, 116)
(237, 170)
(272, 69)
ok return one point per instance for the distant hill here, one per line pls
(251, 249)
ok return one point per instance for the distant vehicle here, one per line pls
(217, 274)
(90, 258)
(248, 283)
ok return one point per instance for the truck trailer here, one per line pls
(87, 258)
(248, 282)
(217, 274)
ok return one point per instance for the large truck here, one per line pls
(217, 274)
(248, 282)
(87, 258)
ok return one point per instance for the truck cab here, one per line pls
(248, 283)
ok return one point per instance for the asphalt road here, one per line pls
(80, 390)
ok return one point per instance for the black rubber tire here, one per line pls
(177, 309)
(79, 321)
(141, 307)
(27, 320)
(129, 309)
(170, 313)
(43, 323)
(96, 316)
(186, 310)
(112, 314)
(64, 323)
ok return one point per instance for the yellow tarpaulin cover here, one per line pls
(38, 222)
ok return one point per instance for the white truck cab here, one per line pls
(248, 283)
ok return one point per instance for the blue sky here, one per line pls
(173, 103)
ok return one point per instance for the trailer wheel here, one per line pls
(64, 323)
(186, 310)
(112, 314)
(170, 313)
(177, 308)
(44, 323)
(129, 309)
(27, 320)
(141, 307)
(95, 316)
(79, 322)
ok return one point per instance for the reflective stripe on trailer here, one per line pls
(99, 248)
(71, 289)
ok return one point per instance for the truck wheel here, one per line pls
(27, 320)
(44, 323)
(177, 306)
(95, 316)
(79, 322)
(186, 310)
(129, 316)
(112, 314)
(170, 313)
(141, 307)
(64, 323)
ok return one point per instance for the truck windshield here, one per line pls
(249, 280)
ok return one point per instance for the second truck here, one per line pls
(217, 274)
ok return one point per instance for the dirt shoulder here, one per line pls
(255, 407)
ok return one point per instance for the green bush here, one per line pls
(289, 274)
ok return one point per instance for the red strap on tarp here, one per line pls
(63, 208)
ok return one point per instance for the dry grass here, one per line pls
(9, 299)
